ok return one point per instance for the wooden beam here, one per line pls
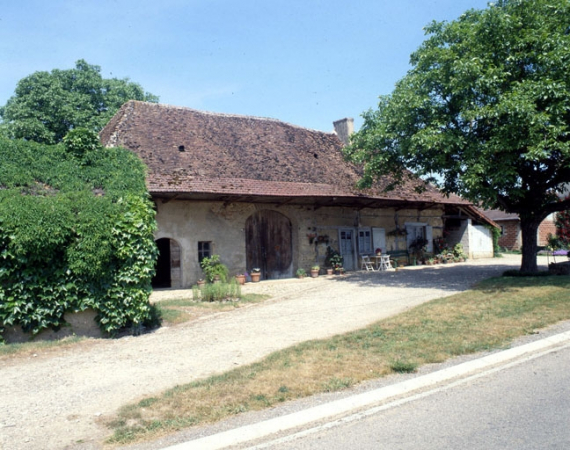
(174, 197)
(285, 202)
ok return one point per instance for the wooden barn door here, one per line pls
(269, 244)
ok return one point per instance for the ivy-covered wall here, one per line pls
(76, 232)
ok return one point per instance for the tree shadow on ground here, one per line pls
(449, 277)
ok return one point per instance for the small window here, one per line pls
(204, 250)
(502, 230)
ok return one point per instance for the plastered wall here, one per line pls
(313, 229)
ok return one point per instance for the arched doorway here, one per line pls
(269, 244)
(167, 265)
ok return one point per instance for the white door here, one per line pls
(346, 240)
(379, 239)
(481, 242)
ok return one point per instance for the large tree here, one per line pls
(46, 105)
(484, 112)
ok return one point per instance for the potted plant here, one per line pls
(333, 259)
(201, 282)
(330, 270)
(214, 269)
(458, 252)
(315, 271)
(301, 273)
(240, 277)
(255, 274)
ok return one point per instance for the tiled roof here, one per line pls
(195, 152)
(497, 215)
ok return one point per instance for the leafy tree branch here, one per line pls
(484, 112)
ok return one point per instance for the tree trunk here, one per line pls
(529, 229)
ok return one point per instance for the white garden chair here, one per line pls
(366, 264)
(385, 263)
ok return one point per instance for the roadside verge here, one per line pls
(371, 399)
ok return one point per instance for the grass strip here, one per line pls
(29, 348)
(489, 316)
(176, 311)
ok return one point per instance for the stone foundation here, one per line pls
(78, 324)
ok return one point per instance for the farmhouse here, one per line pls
(267, 194)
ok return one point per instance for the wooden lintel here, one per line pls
(167, 200)
(425, 206)
(455, 216)
(368, 205)
(285, 202)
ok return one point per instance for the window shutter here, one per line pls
(379, 239)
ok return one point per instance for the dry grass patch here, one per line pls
(172, 311)
(179, 310)
(27, 349)
(490, 316)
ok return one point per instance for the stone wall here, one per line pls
(81, 324)
(313, 229)
(459, 234)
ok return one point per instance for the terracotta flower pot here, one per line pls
(314, 273)
(240, 279)
(255, 276)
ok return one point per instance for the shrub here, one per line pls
(213, 268)
(458, 251)
(496, 234)
(217, 292)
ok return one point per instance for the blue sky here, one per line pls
(306, 62)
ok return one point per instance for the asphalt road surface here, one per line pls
(522, 406)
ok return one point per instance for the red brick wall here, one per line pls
(545, 228)
(511, 235)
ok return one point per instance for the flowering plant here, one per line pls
(255, 270)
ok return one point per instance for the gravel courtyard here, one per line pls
(53, 400)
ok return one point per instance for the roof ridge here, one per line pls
(236, 116)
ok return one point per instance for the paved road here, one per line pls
(525, 406)
(51, 401)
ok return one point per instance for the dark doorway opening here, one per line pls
(167, 264)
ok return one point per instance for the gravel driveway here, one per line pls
(53, 400)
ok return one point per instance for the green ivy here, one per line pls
(496, 234)
(76, 232)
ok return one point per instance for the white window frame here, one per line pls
(366, 249)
